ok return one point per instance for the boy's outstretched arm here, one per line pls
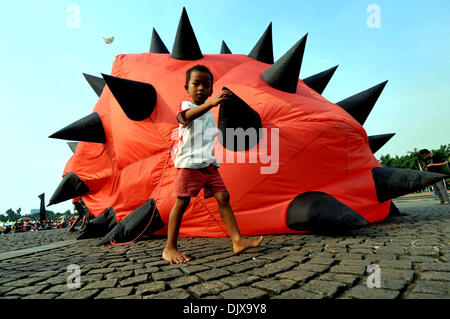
(198, 111)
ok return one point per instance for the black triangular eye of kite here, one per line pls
(263, 50)
(393, 182)
(144, 219)
(283, 74)
(70, 187)
(319, 81)
(157, 45)
(96, 83)
(321, 212)
(377, 141)
(240, 123)
(360, 105)
(224, 49)
(137, 99)
(87, 129)
(186, 46)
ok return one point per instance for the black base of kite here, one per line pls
(100, 225)
(143, 220)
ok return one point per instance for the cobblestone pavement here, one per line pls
(412, 253)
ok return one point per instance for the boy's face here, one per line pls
(199, 87)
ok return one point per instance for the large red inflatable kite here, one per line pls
(305, 164)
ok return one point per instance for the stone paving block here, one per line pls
(324, 287)
(247, 265)
(435, 276)
(119, 274)
(433, 287)
(328, 261)
(395, 264)
(348, 269)
(274, 286)
(344, 256)
(298, 294)
(110, 283)
(418, 259)
(135, 280)
(59, 289)
(392, 274)
(239, 280)
(317, 268)
(423, 251)
(190, 270)
(157, 263)
(24, 282)
(213, 274)
(434, 266)
(145, 270)
(183, 282)
(27, 290)
(363, 292)
(244, 293)
(178, 293)
(101, 271)
(208, 288)
(348, 280)
(221, 263)
(167, 275)
(273, 269)
(379, 257)
(273, 256)
(79, 294)
(297, 275)
(151, 288)
(110, 293)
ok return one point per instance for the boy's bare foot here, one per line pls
(174, 256)
(245, 243)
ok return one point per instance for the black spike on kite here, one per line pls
(157, 45)
(235, 113)
(224, 49)
(377, 141)
(70, 187)
(137, 99)
(186, 46)
(96, 83)
(393, 182)
(319, 81)
(263, 50)
(87, 129)
(144, 219)
(320, 212)
(73, 146)
(283, 74)
(360, 104)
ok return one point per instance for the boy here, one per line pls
(196, 165)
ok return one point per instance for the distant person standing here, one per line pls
(435, 163)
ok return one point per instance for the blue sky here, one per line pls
(43, 57)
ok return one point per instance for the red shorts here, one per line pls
(189, 182)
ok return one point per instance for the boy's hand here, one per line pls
(224, 95)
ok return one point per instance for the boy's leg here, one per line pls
(226, 213)
(171, 252)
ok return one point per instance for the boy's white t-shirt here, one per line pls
(196, 141)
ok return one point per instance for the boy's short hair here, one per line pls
(424, 151)
(199, 68)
